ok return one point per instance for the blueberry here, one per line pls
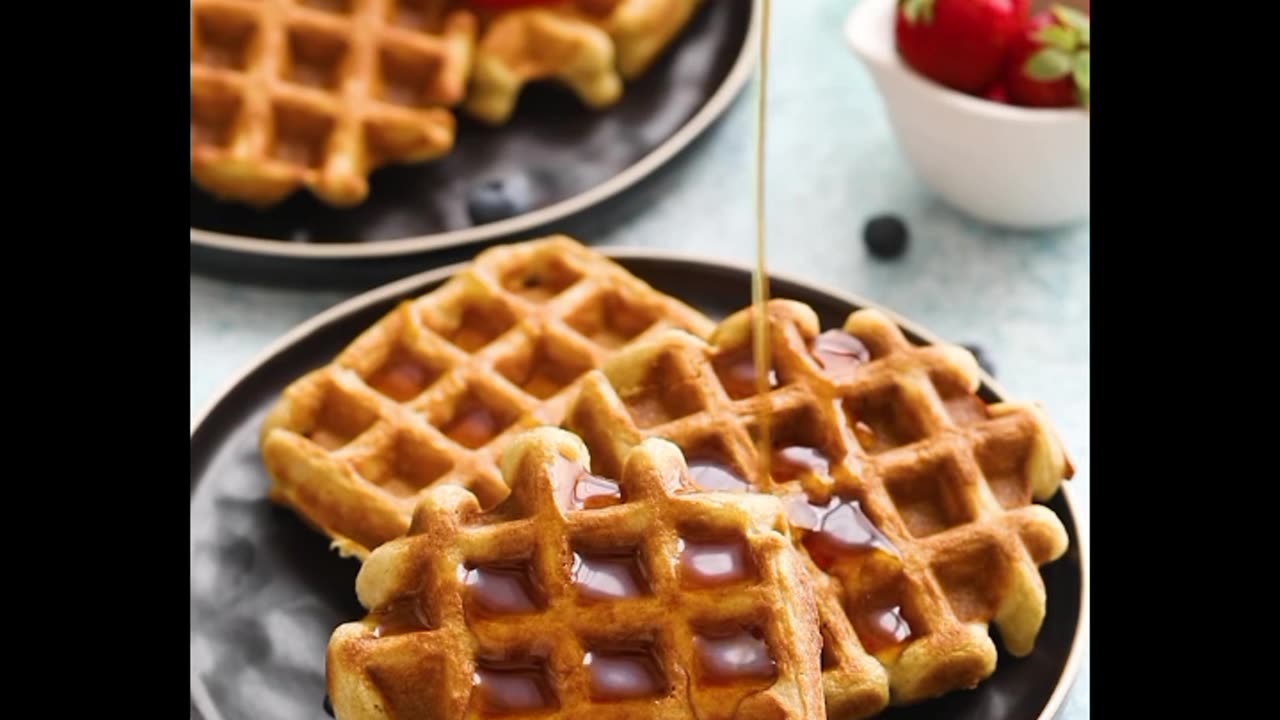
(328, 706)
(499, 198)
(983, 361)
(885, 236)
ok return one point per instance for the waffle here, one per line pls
(434, 390)
(590, 46)
(581, 597)
(912, 494)
(318, 93)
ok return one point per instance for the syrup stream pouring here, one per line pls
(759, 278)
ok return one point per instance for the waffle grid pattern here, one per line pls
(947, 479)
(318, 93)
(435, 664)
(435, 390)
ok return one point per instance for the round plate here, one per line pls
(561, 157)
(266, 590)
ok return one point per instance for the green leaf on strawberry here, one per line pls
(1074, 19)
(1052, 60)
(1081, 74)
(1049, 63)
(1063, 38)
(917, 10)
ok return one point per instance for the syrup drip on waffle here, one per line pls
(759, 276)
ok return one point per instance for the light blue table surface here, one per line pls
(833, 163)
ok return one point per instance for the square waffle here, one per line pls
(583, 598)
(590, 46)
(435, 390)
(318, 93)
(907, 490)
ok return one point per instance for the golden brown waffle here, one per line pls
(591, 46)
(318, 93)
(913, 494)
(435, 390)
(582, 598)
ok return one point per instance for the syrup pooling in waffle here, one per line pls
(318, 93)
(432, 392)
(589, 46)
(581, 596)
(906, 489)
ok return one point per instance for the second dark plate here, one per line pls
(554, 157)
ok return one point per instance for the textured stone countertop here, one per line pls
(833, 163)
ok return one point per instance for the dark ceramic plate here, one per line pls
(553, 159)
(266, 590)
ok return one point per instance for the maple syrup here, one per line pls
(577, 489)
(795, 461)
(737, 372)
(400, 617)
(508, 687)
(724, 658)
(878, 616)
(714, 563)
(837, 350)
(837, 529)
(608, 577)
(711, 474)
(759, 277)
(502, 589)
(881, 627)
(623, 675)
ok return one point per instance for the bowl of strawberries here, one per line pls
(989, 101)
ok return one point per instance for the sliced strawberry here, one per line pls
(959, 43)
(1048, 64)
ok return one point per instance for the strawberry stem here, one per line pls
(1065, 52)
(1074, 19)
(916, 10)
(1080, 73)
(1063, 38)
(1048, 64)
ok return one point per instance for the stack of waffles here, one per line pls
(551, 472)
(316, 94)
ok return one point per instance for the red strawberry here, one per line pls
(1049, 62)
(997, 93)
(959, 43)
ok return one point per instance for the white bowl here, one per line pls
(1022, 168)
